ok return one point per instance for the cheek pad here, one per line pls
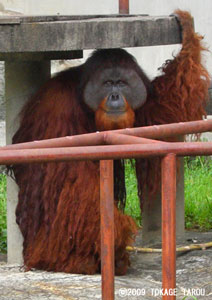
(136, 95)
(93, 95)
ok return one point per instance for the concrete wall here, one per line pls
(149, 58)
(65, 7)
(201, 11)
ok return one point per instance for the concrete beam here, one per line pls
(65, 33)
(40, 56)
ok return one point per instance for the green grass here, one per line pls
(198, 197)
(132, 207)
(198, 193)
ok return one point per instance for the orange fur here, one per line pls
(105, 121)
(58, 209)
(179, 95)
(73, 241)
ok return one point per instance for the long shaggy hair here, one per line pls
(178, 95)
(58, 210)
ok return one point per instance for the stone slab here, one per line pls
(194, 271)
(57, 33)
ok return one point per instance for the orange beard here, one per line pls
(109, 121)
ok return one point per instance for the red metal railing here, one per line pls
(124, 7)
(125, 143)
(168, 191)
(107, 228)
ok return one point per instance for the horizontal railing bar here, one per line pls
(104, 152)
(88, 139)
(98, 138)
(111, 138)
(168, 130)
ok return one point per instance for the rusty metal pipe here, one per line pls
(169, 225)
(153, 132)
(103, 152)
(92, 139)
(98, 138)
(107, 228)
(124, 7)
(169, 130)
(111, 138)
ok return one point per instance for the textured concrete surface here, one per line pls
(33, 34)
(2, 102)
(207, 136)
(2, 133)
(143, 281)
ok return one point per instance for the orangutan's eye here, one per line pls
(108, 83)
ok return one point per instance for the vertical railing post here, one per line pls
(169, 226)
(124, 7)
(107, 228)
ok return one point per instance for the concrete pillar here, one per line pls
(151, 215)
(22, 79)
